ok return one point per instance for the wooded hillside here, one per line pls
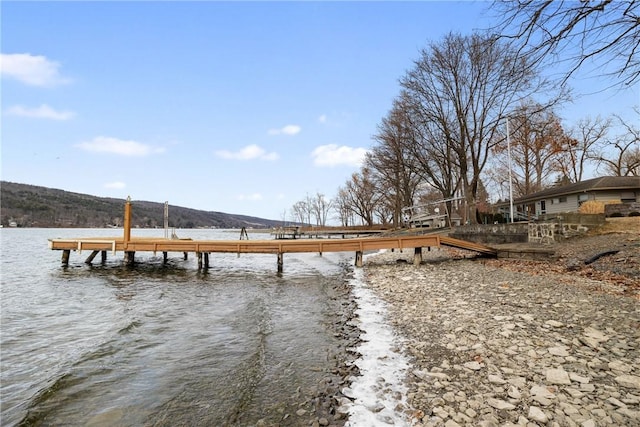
(33, 206)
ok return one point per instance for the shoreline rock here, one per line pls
(493, 347)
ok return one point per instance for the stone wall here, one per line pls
(547, 230)
(551, 228)
(493, 233)
(621, 209)
(588, 220)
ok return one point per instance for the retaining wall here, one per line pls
(622, 209)
(549, 229)
(493, 233)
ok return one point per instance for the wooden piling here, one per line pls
(65, 257)
(417, 256)
(103, 257)
(186, 255)
(129, 257)
(199, 255)
(280, 262)
(206, 260)
(359, 258)
(165, 257)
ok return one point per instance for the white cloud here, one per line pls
(41, 112)
(118, 185)
(286, 130)
(103, 144)
(322, 118)
(251, 197)
(33, 70)
(331, 155)
(249, 152)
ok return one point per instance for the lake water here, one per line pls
(162, 344)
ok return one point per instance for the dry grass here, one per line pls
(621, 225)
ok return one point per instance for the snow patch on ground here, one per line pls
(379, 393)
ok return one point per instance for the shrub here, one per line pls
(591, 207)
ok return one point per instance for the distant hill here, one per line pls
(33, 206)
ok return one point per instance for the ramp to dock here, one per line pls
(470, 246)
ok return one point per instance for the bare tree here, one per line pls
(581, 148)
(461, 88)
(625, 159)
(361, 197)
(537, 141)
(320, 207)
(576, 32)
(435, 158)
(300, 211)
(395, 173)
(342, 208)
(383, 211)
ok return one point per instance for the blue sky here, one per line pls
(239, 107)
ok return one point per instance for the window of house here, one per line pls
(562, 200)
(582, 198)
(543, 207)
(628, 197)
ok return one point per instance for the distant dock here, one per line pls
(203, 248)
(296, 232)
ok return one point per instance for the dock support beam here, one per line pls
(103, 257)
(358, 258)
(280, 262)
(206, 260)
(90, 258)
(417, 256)
(129, 258)
(165, 256)
(199, 255)
(65, 257)
(186, 255)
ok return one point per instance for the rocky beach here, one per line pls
(506, 343)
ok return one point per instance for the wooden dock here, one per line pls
(295, 232)
(202, 248)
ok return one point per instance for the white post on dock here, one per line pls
(166, 220)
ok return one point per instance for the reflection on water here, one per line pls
(160, 344)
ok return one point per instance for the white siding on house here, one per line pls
(578, 194)
(630, 196)
(559, 205)
(556, 205)
(607, 196)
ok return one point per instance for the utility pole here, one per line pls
(510, 178)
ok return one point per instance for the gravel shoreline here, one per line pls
(493, 347)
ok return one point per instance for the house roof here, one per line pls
(595, 184)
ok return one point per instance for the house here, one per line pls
(568, 198)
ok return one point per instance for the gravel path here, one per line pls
(495, 347)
